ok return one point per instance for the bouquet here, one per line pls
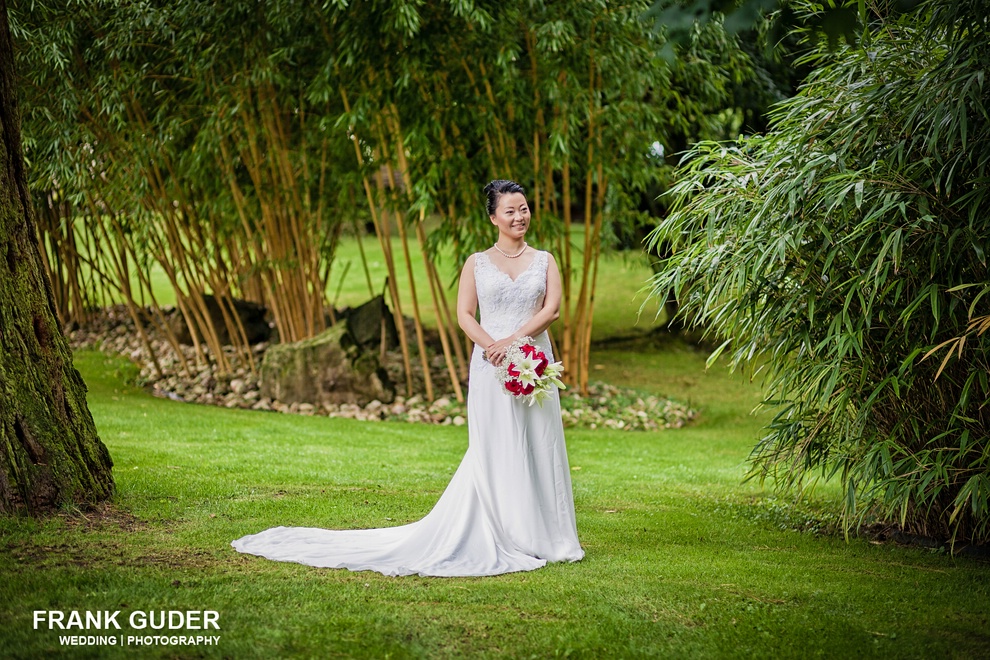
(527, 373)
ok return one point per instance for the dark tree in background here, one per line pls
(50, 453)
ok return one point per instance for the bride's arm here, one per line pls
(539, 321)
(467, 305)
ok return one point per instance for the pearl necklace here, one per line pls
(511, 256)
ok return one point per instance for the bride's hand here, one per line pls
(495, 352)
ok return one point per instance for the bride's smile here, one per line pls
(512, 216)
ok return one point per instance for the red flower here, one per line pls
(528, 349)
(513, 370)
(528, 389)
(542, 366)
(514, 386)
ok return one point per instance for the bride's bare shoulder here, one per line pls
(470, 261)
(551, 263)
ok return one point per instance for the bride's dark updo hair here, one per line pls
(496, 189)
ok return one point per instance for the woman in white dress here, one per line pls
(509, 506)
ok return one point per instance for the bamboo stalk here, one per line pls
(404, 240)
(459, 349)
(360, 243)
(51, 262)
(540, 119)
(124, 280)
(599, 218)
(192, 276)
(387, 252)
(78, 304)
(174, 231)
(251, 157)
(381, 230)
(449, 150)
(217, 275)
(180, 297)
(251, 238)
(500, 131)
(417, 321)
(441, 326)
(493, 158)
(566, 356)
(159, 316)
(581, 314)
(306, 275)
(99, 281)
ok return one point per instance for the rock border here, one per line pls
(112, 331)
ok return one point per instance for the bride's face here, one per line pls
(512, 215)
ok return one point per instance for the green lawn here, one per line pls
(683, 560)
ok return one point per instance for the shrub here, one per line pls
(844, 255)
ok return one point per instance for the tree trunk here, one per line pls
(50, 454)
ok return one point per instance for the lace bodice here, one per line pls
(507, 304)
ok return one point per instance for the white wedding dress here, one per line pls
(509, 507)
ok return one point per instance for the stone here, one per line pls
(326, 369)
(365, 324)
(237, 386)
(253, 317)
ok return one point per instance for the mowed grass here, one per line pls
(683, 559)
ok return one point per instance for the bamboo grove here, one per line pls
(231, 144)
(843, 255)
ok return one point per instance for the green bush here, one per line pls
(844, 256)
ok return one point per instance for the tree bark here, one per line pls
(50, 453)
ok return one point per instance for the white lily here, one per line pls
(527, 364)
(538, 397)
(527, 377)
(553, 373)
(527, 370)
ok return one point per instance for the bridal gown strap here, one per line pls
(509, 506)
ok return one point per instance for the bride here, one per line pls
(509, 506)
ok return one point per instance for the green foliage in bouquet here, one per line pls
(844, 256)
